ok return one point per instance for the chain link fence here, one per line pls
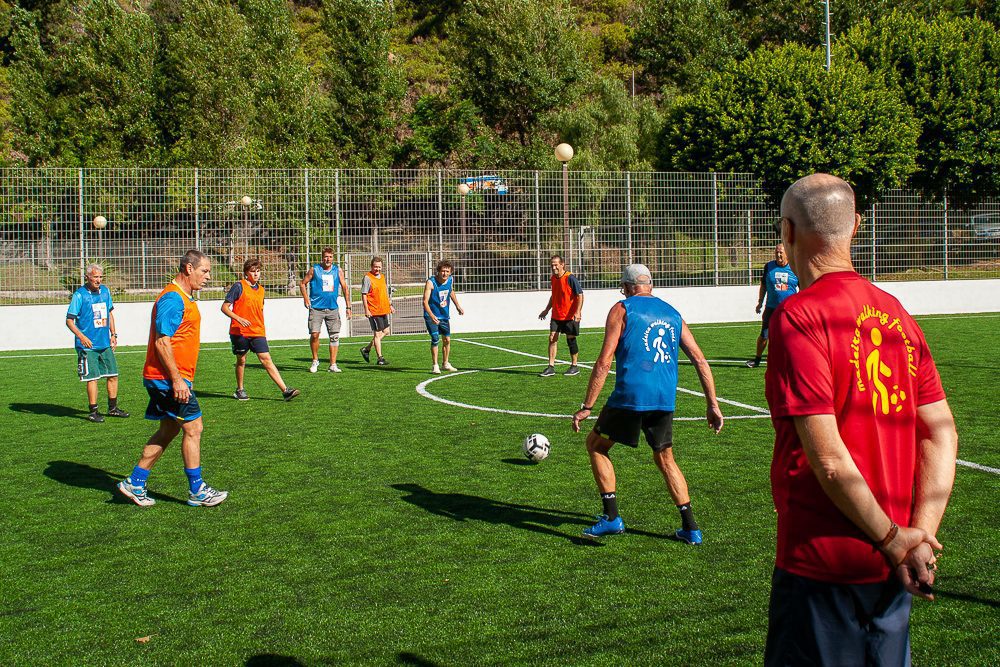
(498, 229)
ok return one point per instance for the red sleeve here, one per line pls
(799, 361)
(929, 388)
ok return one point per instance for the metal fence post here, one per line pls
(538, 232)
(83, 249)
(715, 222)
(874, 218)
(306, 255)
(749, 248)
(441, 216)
(946, 238)
(197, 222)
(336, 205)
(628, 212)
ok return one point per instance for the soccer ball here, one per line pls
(536, 447)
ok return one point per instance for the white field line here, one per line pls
(753, 408)
(423, 391)
(976, 466)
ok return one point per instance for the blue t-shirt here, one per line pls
(323, 288)
(169, 313)
(780, 281)
(440, 299)
(646, 357)
(92, 312)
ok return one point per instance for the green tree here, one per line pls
(82, 85)
(361, 80)
(678, 42)
(611, 131)
(779, 115)
(444, 129)
(949, 71)
(519, 60)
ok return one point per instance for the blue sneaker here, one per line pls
(207, 497)
(688, 536)
(604, 526)
(137, 494)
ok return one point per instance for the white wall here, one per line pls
(43, 327)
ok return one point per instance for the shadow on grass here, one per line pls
(272, 660)
(407, 658)
(84, 476)
(518, 462)
(212, 394)
(964, 597)
(463, 507)
(48, 409)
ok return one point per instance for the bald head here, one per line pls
(821, 205)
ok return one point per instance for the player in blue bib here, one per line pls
(320, 288)
(439, 294)
(777, 282)
(643, 336)
(92, 322)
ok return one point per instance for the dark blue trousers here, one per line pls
(818, 623)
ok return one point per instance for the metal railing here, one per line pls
(499, 228)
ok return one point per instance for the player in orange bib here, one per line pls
(566, 304)
(378, 306)
(171, 359)
(244, 305)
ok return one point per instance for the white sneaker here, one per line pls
(314, 366)
(333, 369)
(449, 367)
(436, 370)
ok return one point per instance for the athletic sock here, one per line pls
(139, 476)
(194, 478)
(112, 403)
(687, 517)
(610, 502)
(93, 407)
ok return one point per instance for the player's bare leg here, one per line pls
(554, 347)
(241, 365)
(158, 442)
(314, 345)
(672, 475)
(272, 370)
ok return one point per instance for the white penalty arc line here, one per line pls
(753, 408)
(423, 391)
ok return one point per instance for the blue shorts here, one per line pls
(242, 344)
(163, 405)
(442, 328)
(818, 623)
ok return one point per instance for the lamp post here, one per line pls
(463, 190)
(564, 153)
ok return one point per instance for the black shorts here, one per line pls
(242, 344)
(623, 426)
(378, 322)
(568, 327)
(765, 319)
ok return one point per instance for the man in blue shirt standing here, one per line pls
(92, 322)
(320, 288)
(778, 282)
(642, 336)
(439, 294)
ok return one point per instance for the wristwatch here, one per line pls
(588, 408)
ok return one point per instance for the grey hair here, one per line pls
(91, 267)
(821, 204)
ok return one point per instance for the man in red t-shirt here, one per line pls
(566, 304)
(864, 451)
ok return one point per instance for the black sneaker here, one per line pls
(290, 393)
(241, 395)
(117, 412)
(366, 353)
(382, 362)
(548, 372)
(572, 370)
(95, 417)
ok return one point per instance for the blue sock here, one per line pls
(139, 476)
(194, 478)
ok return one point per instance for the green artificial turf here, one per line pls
(368, 524)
